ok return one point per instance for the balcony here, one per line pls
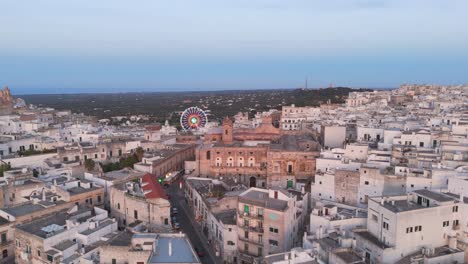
(255, 229)
(456, 227)
(4, 244)
(251, 241)
(243, 214)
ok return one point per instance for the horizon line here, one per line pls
(200, 91)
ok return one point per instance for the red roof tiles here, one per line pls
(152, 188)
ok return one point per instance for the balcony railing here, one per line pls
(256, 229)
(243, 214)
(5, 243)
(251, 240)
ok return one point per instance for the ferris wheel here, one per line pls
(193, 118)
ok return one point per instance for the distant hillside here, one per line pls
(314, 97)
(165, 105)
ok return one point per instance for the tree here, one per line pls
(3, 168)
(89, 164)
(139, 153)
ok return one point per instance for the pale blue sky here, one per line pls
(50, 46)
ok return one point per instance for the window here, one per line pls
(455, 209)
(260, 213)
(4, 238)
(5, 253)
(246, 209)
(208, 155)
(409, 230)
(455, 222)
(99, 198)
(118, 206)
(135, 214)
(246, 234)
(114, 261)
(230, 243)
(385, 225)
(273, 243)
(445, 223)
(166, 221)
(417, 228)
(421, 144)
(38, 253)
(273, 230)
(366, 182)
(375, 218)
(260, 251)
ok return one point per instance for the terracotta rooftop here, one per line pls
(152, 188)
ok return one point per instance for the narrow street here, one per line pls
(190, 227)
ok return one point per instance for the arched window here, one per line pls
(240, 162)
(251, 162)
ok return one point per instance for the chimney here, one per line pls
(55, 182)
(382, 200)
(461, 197)
(393, 202)
(43, 195)
(170, 247)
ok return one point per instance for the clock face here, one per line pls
(193, 118)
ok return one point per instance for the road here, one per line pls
(190, 226)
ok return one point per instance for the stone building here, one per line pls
(64, 237)
(395, 229)
(17, 186)
(142, 201)
(80, 192)
(257, 157)
(267, 223)
(166, 160)
(6, 101)
(7, 238)
(148, 248)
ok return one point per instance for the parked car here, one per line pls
(174, 211)
(176, 226)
